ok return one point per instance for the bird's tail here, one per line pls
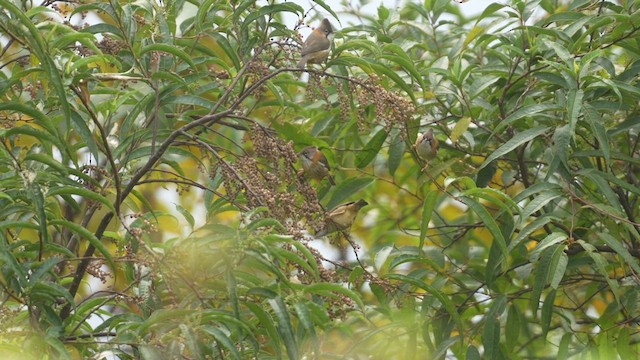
(321, 233)
(302, 62)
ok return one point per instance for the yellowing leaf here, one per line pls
(473, 34)
(461, 126)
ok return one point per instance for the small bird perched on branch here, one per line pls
(315, 164)
(342, 217)
(427, 145)
(315, 49)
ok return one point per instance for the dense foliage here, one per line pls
(152, 206)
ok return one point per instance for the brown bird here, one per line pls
(427, 145)
(316, 48)
(315, 164)
(342, 217)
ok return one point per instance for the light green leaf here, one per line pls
(574, 105)
(428, 207)
(371, 149)
(621, 250)
(170, 50)
(489, 222)
(514, 142)
(347, 189)
(86, 234)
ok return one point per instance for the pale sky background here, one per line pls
(469, 8)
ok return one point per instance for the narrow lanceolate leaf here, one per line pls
(36, 195)
(444, 300)
(489, 222)
(547, 311)
(326, 7)
(596, 123)
(541, 275)
(512, 329)
(427, 210)
(304, 317)
(40, 50)
(86, 234)
(331, 290)
(285, 327)
(560, 151)
(72, 190)
(371, 149)
(601, 267)
(523, 112)
(223, 340)
(574, 105)
(621, 250)
(491, 338)
(346, 189)
(558, 267)
(514, 142)
(539, 201)
(396, 152)
(169, 50)
(461, 126)
(550, 240)
(80, 126)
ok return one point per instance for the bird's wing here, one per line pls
(315, 44)
(341, 209)
(323, 160)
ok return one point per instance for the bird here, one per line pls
(315, 49)
(427, 145)
(315, 164)
(341, 217)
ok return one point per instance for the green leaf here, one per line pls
(539, 201)
(327, 7)
(514, 142)
(304, 317)
(170, 50)
(222, 339)
(49, 161)
(574, 105)
(428, 207)
(382, 69)
(371, 149)
(491, 338)
(621, 250)
(285, 327)
(396, 153)
(551, 239)
(329, 289)
(347, 188)
(461, 126)
(266, 321)
(186, 214)
(42, 53)
(597, 127)
(563, 348)
(542, 273)
(38, 116)
(489, 222)
(601, 267)
(72, 190)
(528, 110)
(227, 48)
(80, 126)
(558, 267)
(547, 312)
(512, 328)
(444, 300)
(84, 233)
